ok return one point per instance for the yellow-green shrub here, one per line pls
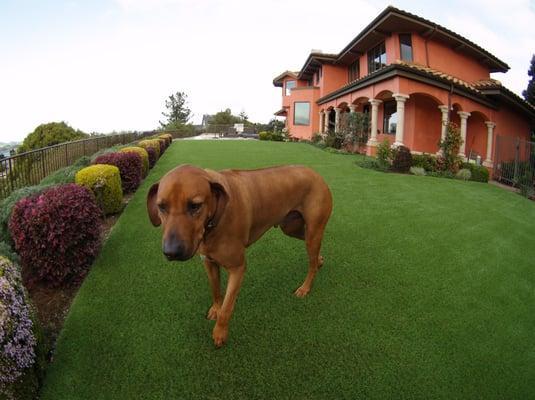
(155, 144)
(105, 182)
(144, 157)
(167, 136)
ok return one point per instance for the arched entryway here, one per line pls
(424, 123)
(476, 136)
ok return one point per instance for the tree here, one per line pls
(244, 117)
(529, 93)
(50, 134)
(225, 118)
(178, 113)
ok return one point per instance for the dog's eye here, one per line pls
(162, 207)
(194, 207)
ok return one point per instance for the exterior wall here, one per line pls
(333, 77)
(310, 94)
(286, 99)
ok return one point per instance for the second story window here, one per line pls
(405, 46)
(377, 58)
(301, 113)
(354, 71)
(289, 86)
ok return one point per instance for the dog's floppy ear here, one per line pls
(152, 208)
(220, 191)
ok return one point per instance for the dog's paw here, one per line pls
(220, 336)
(213, 312)
(302, 291)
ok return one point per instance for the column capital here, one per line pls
(490, 124)
(375, 102)
(463, 114)
(327, 112)
(444, 109)
(352, 107)
(337, 109)
(400, 97)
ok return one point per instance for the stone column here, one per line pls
(490, 136)
(322, 123)
(352, 108)
(372, 141)
(326, 121)
(337, 119)
(463, 115)
(400, 110)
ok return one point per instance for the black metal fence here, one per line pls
(514, 162)
(30, 168)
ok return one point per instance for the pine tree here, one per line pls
(529, 93)
(177, 112)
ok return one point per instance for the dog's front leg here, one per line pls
(235, 278)
(212, 270)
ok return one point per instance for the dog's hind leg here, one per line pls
(313, 238)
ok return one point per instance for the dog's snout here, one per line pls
(174, 248)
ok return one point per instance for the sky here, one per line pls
(109, 65)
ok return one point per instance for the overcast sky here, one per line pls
(107, 65)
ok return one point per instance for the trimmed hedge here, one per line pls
(402, 160)
(153, 156)
(143, 154)
(18, 343)
(105, 182)
(130, 168)
(57, 234)
(155, 144)
(479, 172)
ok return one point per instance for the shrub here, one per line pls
(371, 163)
(105, 182)
(162, 142)
(129, 165)
(6, 207)
(277, 137)
(57, 234)
(403, 159)
(463, 174)
(112, 149)
(316, 138)
(264, 135)
(153, 157)
(155, 144)
(384, 153)
(168, 137)
(17, 339)
(334, 139)
(67, 174)
(479, 172)
(144, 157)
(449, 159)
(425, 161)
(417, 171)
(7, 252)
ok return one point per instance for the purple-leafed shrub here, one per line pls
(57, 235)
(17, 340)
(153, 156)
(130, 167)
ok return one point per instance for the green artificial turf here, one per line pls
(428, 291)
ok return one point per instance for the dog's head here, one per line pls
(186, 202)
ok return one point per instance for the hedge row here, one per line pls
(55, 227)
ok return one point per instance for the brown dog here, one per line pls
(220, 214)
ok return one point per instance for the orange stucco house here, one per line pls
(410, 75)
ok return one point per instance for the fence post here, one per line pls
(517, 149)
(66, 156)
(43, 163)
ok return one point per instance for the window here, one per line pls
(289, 86)
(390, 118)
(301, 113)
(354, 71)
(405, 46)
(376, 58)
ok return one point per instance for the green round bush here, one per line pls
(155, 144)
(105, 182)
(463, 174)
(417, 171)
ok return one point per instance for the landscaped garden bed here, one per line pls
(54, 231)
